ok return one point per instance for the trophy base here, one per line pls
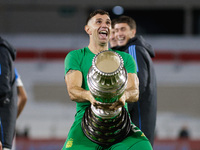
(106, 132)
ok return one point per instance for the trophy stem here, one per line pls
(105, 114)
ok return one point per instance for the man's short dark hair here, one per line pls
(94, 13)
(113, 23)
(126, 19)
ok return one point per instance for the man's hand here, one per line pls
(1, 146)
(116, 105)
(109, 106)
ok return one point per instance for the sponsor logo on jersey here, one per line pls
(69, 143)
(136, 129)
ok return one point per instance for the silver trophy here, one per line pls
(107, 80)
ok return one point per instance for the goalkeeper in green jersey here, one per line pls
(77, 64)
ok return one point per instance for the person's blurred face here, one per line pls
(99, 28)
(123, 33)
(113, 41)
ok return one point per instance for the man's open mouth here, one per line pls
(121, 38)
(103, 34)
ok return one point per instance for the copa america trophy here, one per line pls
(107, 80)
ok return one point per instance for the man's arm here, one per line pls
(0, 145)
(131, 94)
(21, 93)
(22, 99)
(73, 80)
